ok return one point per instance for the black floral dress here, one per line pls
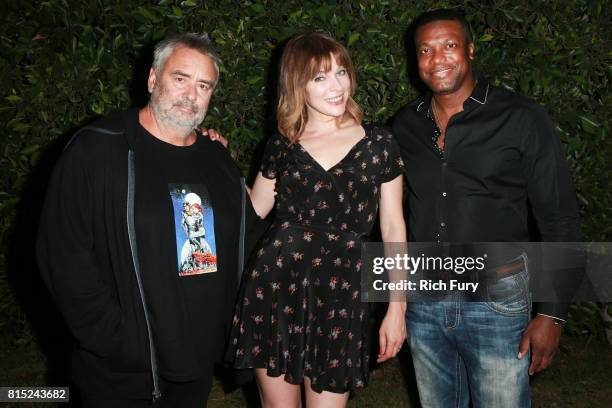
(299, 311)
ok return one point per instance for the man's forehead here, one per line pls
(439, 29)
(185, 57)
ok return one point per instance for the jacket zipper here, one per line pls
(242, 228)
(132, 240)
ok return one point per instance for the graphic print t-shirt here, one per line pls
(193, 216)
(187, 215)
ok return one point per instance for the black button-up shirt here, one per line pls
(501, 155)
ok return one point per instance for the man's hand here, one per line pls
(214, 136)
(542, 335)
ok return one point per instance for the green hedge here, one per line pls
(64, 62)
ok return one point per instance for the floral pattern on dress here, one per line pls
(299, 311)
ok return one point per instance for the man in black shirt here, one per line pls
(139, 240)
(476, 156)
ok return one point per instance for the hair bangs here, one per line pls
(320, 57)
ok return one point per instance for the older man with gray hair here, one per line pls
(146, 302)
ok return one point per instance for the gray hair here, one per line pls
(198, 42)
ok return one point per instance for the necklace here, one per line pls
(434, 110)
(439, 133)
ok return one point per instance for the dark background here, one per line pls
(66, 62)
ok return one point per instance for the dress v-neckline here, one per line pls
(353, 147)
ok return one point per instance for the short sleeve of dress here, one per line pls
(272, 156)
(392, 164)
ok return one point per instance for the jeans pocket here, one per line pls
(509, 295)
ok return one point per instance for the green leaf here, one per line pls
(22, 127)
(149, 15)
(514, 16)
(29, 150)
(486, 38)
(381, 111)
(352, 38)
(13, 98)
(258, 8)
(589, 125)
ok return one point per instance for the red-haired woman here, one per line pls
(299, 317)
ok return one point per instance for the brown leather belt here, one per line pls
(509, 269)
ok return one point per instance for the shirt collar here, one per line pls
(479, 95)
(480, 92)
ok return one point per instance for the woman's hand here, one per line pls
(263, 195)
(392, 332)
(215, 136)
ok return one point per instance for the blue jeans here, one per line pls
(464, 350)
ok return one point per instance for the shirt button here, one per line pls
(443, 224)
(444, 194)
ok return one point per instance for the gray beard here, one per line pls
(185, 126)
(166, 116)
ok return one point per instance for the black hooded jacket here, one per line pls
(87, 252)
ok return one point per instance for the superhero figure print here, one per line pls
(194, 227)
